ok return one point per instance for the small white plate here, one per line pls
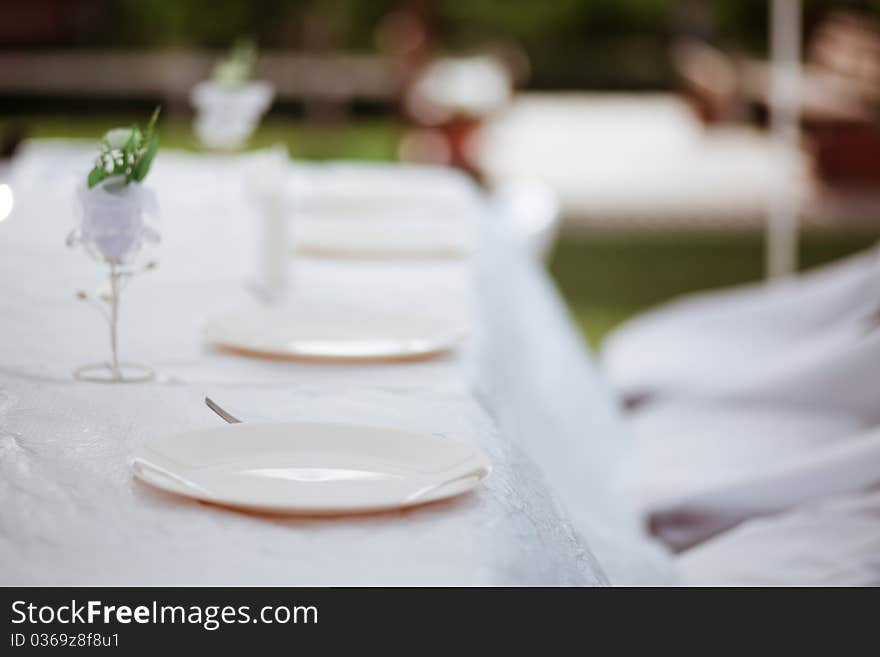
(333, 332)
(310, 468)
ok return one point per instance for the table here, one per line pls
(522, 388)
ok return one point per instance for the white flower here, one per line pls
(118, 137)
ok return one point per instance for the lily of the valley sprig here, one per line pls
(126, 153)
(238, 67)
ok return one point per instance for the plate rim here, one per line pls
(466, 482)
(457, 334)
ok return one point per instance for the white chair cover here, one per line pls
(796, 342)
(726, 484)
(832, 542)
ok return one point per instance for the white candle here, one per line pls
(275, 248)
(267, 179)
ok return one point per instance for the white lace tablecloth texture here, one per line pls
(521, 387)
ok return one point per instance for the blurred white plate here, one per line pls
(333, 331)
(310, 468)
(375, 237)
(410, 188)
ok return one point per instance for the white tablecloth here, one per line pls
(522, 388)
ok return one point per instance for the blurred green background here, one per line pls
(605, 278)
(608, 44)
(570, 44)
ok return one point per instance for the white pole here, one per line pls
(782, 211)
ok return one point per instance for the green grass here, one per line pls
(607, 279)
(361, 139)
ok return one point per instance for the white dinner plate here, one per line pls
(333, 331)
(310, 468)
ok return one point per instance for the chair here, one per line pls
(831, 542)
(792, 341)
(750, 493)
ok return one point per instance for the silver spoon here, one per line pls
(229, 417)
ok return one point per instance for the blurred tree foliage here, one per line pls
(570, 42)
(215, 23)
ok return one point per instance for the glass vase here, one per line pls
(114, 225)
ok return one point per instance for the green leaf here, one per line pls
(151, 125)
(134, 138)
(142, 166)
(96, 175)
(128, 152)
